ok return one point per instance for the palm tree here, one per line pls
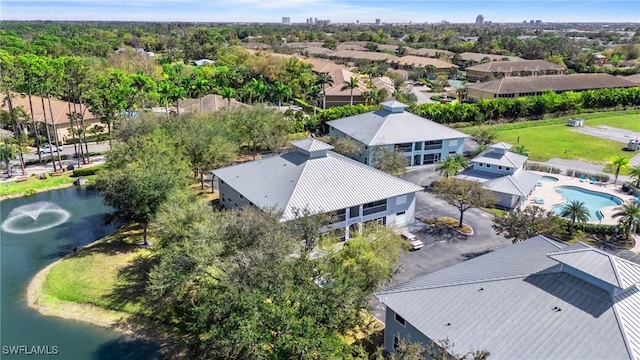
(618, 162)
(576, 211)
(629, 215)
(370, 97)
(634, 172)
(259, 89)
(165, 89)
(520, 149)
(430, 69)
(200, 87)
(350, 85)
(281, 91)
(451, 165)
(178, 94)
(228, 93)
(323, 80)
(314, 96)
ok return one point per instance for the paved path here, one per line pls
(423, 98)
(565, 165)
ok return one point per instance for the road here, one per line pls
(68, 150)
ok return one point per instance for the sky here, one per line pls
(366, 11)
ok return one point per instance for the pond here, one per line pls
(36, 231)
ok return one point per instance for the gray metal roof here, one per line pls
(606, 267)
(320, 184)
(493, 157)
(311, 145)
(521, 183)
(383, 127)
(501, 145)
(506, 302)
(478, 175)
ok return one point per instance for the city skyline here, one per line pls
(339, 12)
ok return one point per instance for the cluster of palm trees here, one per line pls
(628, 214)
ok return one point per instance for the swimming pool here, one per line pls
(593, 200)
(548, 179)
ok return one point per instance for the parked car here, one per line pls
(416, 244)
(295, 107)
(45, 149)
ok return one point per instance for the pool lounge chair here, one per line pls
(593, 180)
(538, 200)
(583, 178)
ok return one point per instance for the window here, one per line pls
(400, 320)
(432, 145)
(221, 182)
(241, 197)
(499, 167)
(396, 342)
(365, 161)
(451, 152)
(406, 147)
(374, 207)
(400, 214)
(418, 146)
(507, 168)
(340, 215)
(379, 221)
(354, 211)
(488, 165)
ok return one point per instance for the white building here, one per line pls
(316, 179)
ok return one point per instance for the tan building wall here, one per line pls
(479, 94)
(333, 100)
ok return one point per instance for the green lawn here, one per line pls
(546, 139)
(107, 274)
(20, 187)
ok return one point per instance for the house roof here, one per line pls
(298, 45)
(419, 61)
(351, 47)
(394, 48)
(340, 76)
(478, 57)
(513, 302)
(386, 126)
(323, 65)
(519, 65)
(316, 50)
(203, 62)
(634, 78)
(255, 45)
(501, 145)
(493, 157)
(59, 108)
(352, 54)
(429, 52)
(601, 265)
(521, 183)
(322, 182)
(518, 85)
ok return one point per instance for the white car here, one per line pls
(45, 149)
(416, 244)
(295, 107)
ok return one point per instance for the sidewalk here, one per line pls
(48, 168)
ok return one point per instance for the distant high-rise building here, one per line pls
(357, 21)
(531, 22)
(479, 19)
(286, 20)
(377, 21)
(538, 22)
(321, 22)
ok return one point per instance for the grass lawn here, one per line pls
(20, 187)
(546, 139)
(107, 274)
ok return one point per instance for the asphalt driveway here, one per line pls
(443, 247)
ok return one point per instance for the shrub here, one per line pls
(30, 192)
(595, 229)
(87, 171)
(542, 168)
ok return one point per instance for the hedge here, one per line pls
(535, 107)
(87, 171)
(542, 168)
(597, 229)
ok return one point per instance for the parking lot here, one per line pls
(443, 247)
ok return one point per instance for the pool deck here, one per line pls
(552, 198)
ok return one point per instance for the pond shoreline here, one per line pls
(127, 324)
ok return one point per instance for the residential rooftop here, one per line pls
(513, 66)
(393, 125)
(532, 84)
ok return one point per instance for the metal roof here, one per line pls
(600, 265)
(506, 302)
(521, 183)
(320, 184)
(311, 145)
(501, 145)
(517, 65)
(384, 127)
(508, 158)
